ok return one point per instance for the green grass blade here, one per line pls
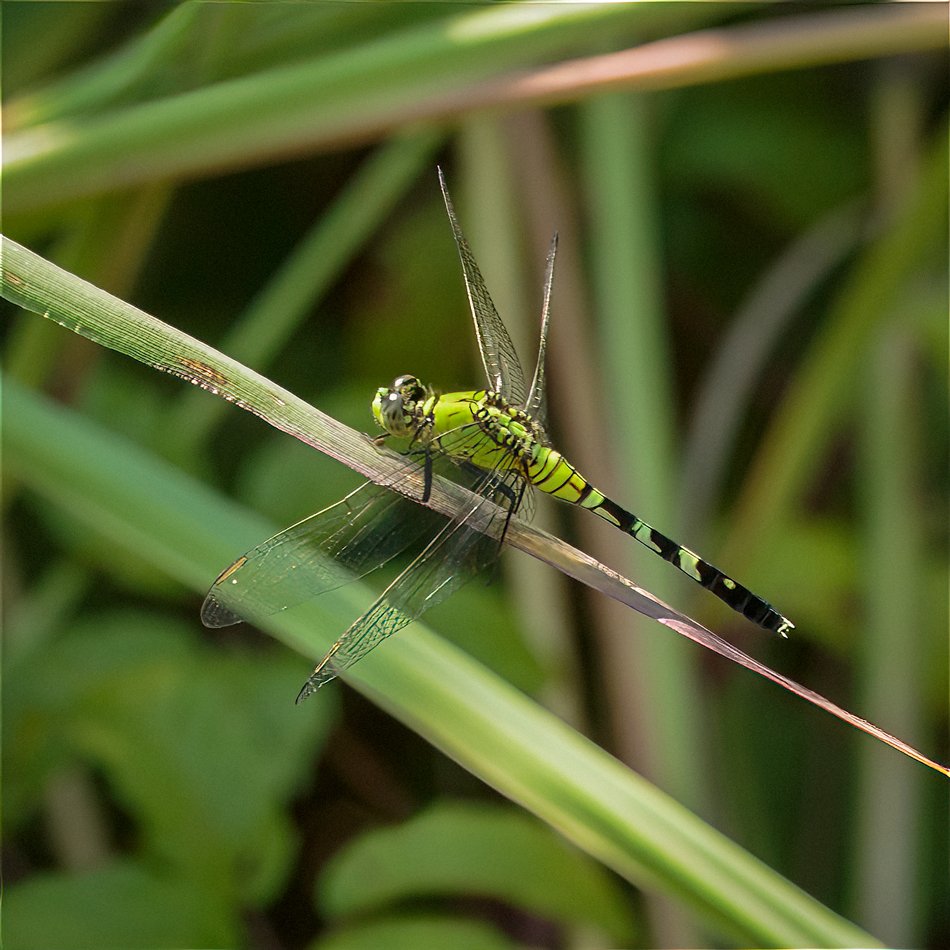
(290, 107)
(895, 564)
(423, 73)
(626, 277)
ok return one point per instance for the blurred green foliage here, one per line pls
(259, 176)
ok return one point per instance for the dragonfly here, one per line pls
(491, 440)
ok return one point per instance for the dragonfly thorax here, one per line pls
(482, 428)
(509, 427)
(479, 426)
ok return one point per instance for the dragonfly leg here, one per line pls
(426, 475)
(515, 496)
(512, 493)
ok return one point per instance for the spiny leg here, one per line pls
(426, 475)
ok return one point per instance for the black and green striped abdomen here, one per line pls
(552, 473)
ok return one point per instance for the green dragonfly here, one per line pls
(493, 441)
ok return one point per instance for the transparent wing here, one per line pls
(502, 366)
(536, 405)
(348, 540)
(451, 558)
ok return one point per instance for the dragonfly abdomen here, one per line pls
(553, 474)
(728, 590)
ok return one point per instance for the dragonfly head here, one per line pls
(399, 406)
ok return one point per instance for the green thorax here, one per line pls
(479, 426)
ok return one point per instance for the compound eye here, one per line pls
(409, 388)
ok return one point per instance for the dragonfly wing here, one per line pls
(501, 362)
(536, 405)
(382, 620)
(339, 544)
(451, 558)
